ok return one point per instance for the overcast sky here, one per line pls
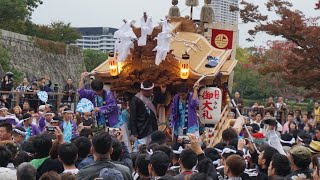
(109, 13)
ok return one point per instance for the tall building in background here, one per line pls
(222, 12)
(97, 38)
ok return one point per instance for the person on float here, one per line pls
(183, 114)
(143, 114)
(106, 110)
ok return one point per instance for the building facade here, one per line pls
(222, 11)
(96, 38)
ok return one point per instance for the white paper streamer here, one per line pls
(146, 29)
(163, 38)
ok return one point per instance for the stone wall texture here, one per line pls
(34, 61)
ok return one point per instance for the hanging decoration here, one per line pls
(146, 29)
(207, 14)
(174, 11)
(123, 41)
(163, 44)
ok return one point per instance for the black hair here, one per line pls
(158, 137)
(42, 145)
(281, 164)
(200, 176)
(28, 147)
(296, 132)
(142, 164)
(291, 114)
(226, 155)
(134, 156)
(229, 135)
(188, 158)
(102, 143)
(7, 126)
(166, 149)
(84, 145)
(147, 83)
(268, 153)
(220, 145)
(12, 147)
(301, 162)
(234, 143)
(212, 154)
(86, 132)
(5, 156)
(160, 162)
(68, 153)
(97, 85)
(117, 149)
(21, 158)
(306, 137)
(182, 88)
(205, 166)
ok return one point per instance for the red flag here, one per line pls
(222, 39)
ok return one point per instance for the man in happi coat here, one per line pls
(183, 114)
(31, 129)
(106, 109)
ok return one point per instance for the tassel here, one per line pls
(174, 11)
(207, 14)
(192, 2)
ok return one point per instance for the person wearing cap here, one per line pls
(106, 109)
(314, 147)
(19, 135)
(31, 129)
(143, 114)
(87, 86)
(183, 114)
(300, 159)
(6, 117)
(68, 126)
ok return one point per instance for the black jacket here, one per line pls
(141, 122)
(50, 165)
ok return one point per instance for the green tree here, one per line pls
(93, 58)
(13, 14)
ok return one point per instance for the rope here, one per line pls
(187, 43)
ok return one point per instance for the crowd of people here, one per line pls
(124, 143)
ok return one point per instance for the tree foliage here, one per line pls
(93, 58)
(15, 16)
(56, 31)
(300, 64)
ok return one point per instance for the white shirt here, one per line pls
(73, 171)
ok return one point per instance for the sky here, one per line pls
(110, 13)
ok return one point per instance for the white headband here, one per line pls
(219, 150)
(178, 151)
(292, 141)
(4, 108)
(20, 132)
(216, 162)
(299, 138)
(228, 150)
(147, 89)
(69, 111)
